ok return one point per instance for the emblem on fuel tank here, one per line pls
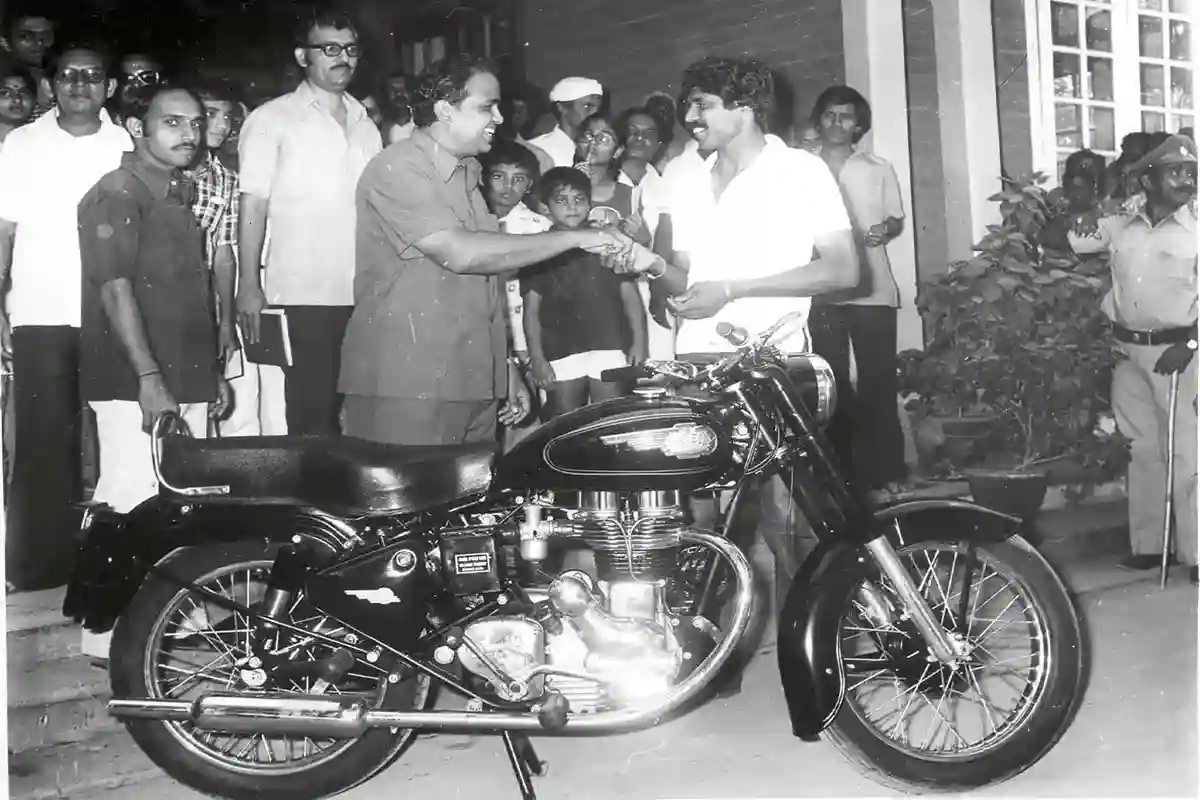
(683, 441)
(379, 597)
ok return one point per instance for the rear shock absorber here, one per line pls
(288, 574)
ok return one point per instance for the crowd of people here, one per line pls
(444, 271)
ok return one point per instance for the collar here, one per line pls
(49, 120)
(158, 180)
(445, 162)
(307, 96)
(1185, 216)
(773, 146)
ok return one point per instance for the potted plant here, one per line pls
(1016, 337)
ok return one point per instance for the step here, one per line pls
(34, 645)
(56, 682)
(79, 769)
(28, 610)
(34, 726)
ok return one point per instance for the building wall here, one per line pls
(925, 137)
(634, 47)
(1012, 86)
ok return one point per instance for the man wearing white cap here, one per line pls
(1152, 306)
(574, 99)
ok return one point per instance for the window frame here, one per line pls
(1127, 61)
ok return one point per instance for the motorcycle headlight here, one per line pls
(813, 377)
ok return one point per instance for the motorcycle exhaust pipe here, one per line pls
(331, 717)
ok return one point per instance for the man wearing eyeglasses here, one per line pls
(301, 156)
(138, 71)
(46, 167)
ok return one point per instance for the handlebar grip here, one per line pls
(732, 334)
(618, 374)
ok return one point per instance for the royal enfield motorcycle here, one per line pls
(287, 608)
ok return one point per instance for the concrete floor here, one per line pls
(1134, 736)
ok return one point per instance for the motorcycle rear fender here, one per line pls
(116, 551)
(810, 658)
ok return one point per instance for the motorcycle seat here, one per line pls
(338, 474)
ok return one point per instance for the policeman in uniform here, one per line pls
(1152, 306)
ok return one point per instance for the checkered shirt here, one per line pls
(216, 205)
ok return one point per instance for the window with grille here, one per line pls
(1106, 68)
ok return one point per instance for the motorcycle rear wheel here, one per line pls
(239, 767)
(1026, 644)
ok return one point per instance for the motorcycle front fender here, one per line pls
(809, 642)
(116, 551)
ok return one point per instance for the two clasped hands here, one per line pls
(620, 252)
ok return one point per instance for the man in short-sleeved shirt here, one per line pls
(45, 168)
(1152, 306)
(866, 430)
(148, 344)
(423, 361)
(745, 222)
(300, 158)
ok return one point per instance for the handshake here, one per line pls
(620, 252)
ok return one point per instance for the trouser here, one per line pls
(259, 407)
(403, 420)
(1140, 400)
(865, 431)
(46, 481)
(313, 402)
(127, 470)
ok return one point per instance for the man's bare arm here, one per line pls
(252, 234)
(122, 310)
(485, 253)
(8, 234)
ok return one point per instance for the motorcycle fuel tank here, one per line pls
(623, 444)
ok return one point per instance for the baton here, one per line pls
(1170, 494)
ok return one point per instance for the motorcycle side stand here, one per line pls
(524, 761)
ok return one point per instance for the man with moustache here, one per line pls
(46, 166)
(1152, 305)
(300, 157)
(746, 221)
(424, 361)
(148, 342)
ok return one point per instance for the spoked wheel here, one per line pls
(911, 720)
(175, 645)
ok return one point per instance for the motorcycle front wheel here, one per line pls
(909, 721)
(175, 645)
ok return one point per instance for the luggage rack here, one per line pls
(180, 427)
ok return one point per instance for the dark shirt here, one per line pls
(581, 307)
(418, 330)
(137, 223)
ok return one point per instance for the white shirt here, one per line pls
(44, 173)
(766, 222)
(520, 220)
(872, 195)
(558, 145)
(295, 154)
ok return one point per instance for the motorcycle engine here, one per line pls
(603, 640)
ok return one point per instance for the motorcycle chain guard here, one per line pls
(809, 650)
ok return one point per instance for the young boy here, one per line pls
(580, 318)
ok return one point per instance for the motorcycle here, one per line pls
(286, 608)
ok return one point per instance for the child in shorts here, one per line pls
(580, 317)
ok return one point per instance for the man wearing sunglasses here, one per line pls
(138, 71)
(301, 156)
(46, 167)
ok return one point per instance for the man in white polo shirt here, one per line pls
(574, 99)
(746, 221)
(300, 157)
(46, 167)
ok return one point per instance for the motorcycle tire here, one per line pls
(356, 763)
(883, 761)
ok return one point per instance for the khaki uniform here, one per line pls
(1154, 289)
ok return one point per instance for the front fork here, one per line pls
(944, 647)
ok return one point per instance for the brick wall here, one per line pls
(637, 46)
(925, 140)
(1012, 86)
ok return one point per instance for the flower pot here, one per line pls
(1020, 494)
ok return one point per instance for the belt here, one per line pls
(1160, 336)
